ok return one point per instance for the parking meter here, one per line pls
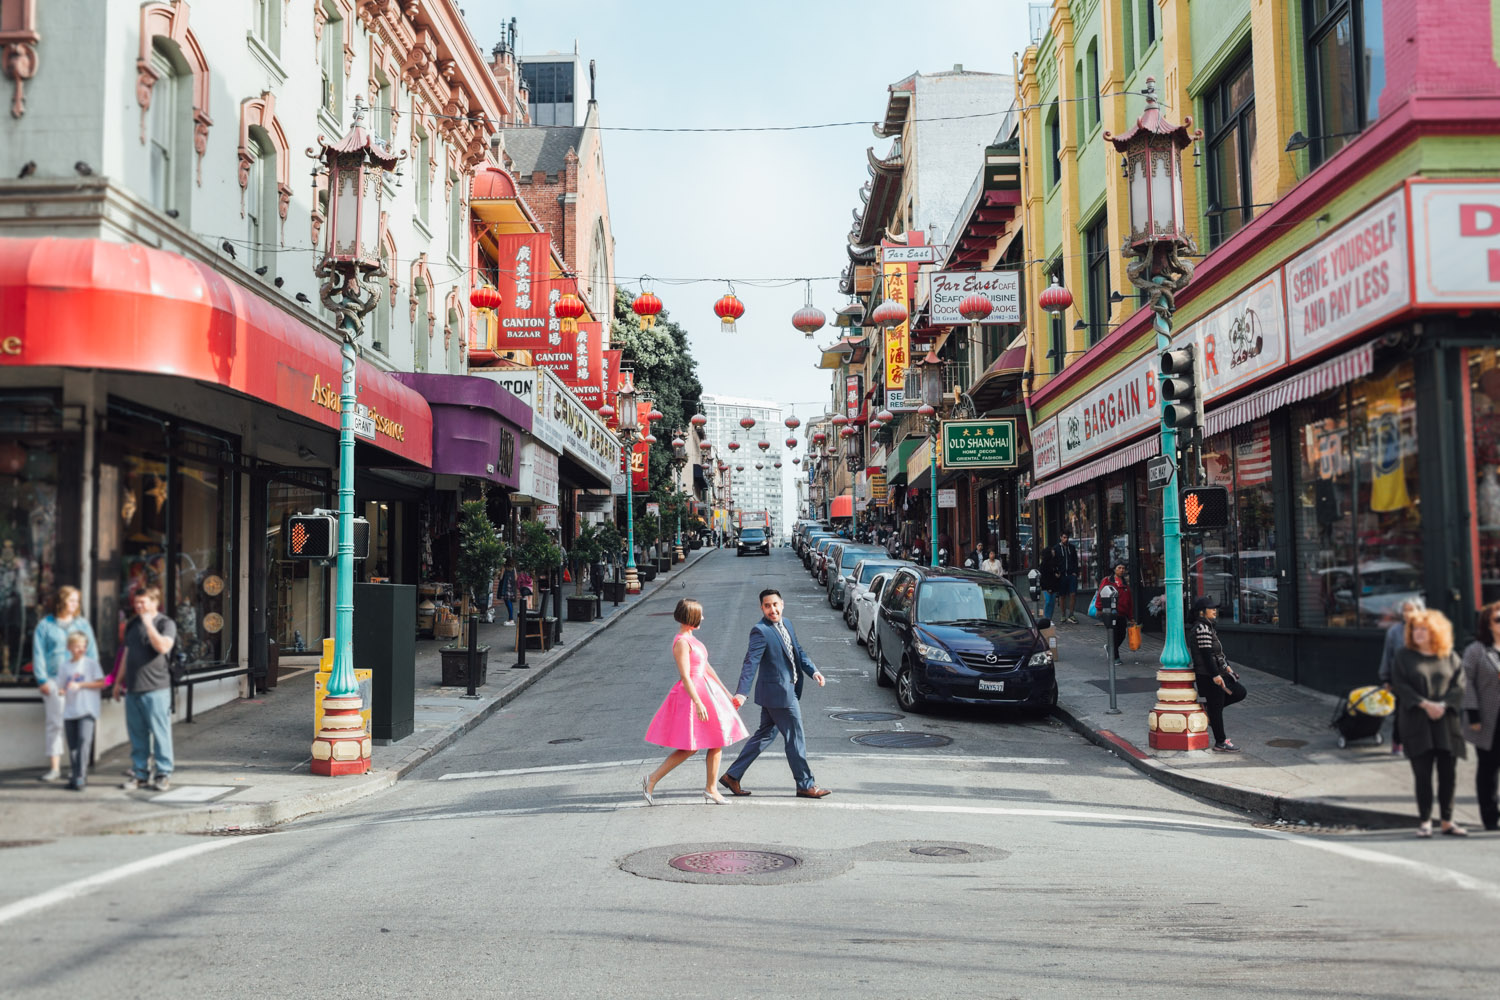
(1107, 601)
(1034, 584)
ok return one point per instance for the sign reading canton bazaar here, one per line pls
(588, 363)
(524, 280)
(896, 346)
(1002, 288)
(979, 444)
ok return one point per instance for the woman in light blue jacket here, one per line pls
(49, 653)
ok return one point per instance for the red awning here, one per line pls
(87, 303)
(842, 506)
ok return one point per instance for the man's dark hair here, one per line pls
(769, 592)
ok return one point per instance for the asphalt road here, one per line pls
(1018, 860)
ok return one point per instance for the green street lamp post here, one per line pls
(679, 462)
(629, 425)
(355, 166)
(932, 398)
(1151, 157)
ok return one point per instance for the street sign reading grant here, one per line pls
(979, 444)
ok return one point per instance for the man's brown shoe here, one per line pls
(812, 793)
(733, 785)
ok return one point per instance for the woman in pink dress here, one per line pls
(697, 713)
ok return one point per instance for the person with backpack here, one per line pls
(1124, 606)
(147, 684)
(1217, 682)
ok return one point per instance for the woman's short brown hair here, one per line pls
(1435, 622)
(1486, 630)
(60, 602)
(689, 612)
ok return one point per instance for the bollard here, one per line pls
(1112, 610)
(521, 663)
(471, 668)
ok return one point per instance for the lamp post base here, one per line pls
(342, 746)
(1177, 721)
(679, 556)
(632, 582)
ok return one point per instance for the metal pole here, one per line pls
(632, 582)
(520, 663)
(1174, 654)
(1109, 636)
(932, 545)
(341, 680)
(471, 666)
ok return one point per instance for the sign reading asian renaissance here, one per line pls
(1354, 277)
(1002, 288)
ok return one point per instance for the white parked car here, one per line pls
(865, 606)
(859, 580)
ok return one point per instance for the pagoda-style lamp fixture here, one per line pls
(629, 427)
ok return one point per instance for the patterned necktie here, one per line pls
(786, 640)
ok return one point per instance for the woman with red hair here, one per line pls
(1428, 683)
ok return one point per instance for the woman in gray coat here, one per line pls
(1429, 688)
(1481, 666)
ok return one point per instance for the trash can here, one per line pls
(385, 644)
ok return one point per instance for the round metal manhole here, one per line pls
(901, 741)
(568, 739)
(867, 716)
(734, 862)
(1288, 744)
(936, 851)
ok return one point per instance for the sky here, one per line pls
(749, 206)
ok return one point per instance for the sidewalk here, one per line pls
(244, 765)
(1291, 767)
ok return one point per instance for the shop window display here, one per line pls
(29, 467)
(1150, 557)
(1484, 411)
(1358, 517)
(1080, 516)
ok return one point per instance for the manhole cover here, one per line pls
(734, 862)
(570, 739)
(1289, 744)
(901, 741)
(22, 843)
(867, 716)
(934, 851)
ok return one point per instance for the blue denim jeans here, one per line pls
(1050, 604)
(148, 720)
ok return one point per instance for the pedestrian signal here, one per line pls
(1182, 402)
(1205, 508)
(316, 536)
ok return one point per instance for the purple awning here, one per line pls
(476, 426)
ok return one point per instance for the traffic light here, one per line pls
(316, 536)
(1205, 508)
(1182, 401)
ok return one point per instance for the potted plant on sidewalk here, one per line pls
(536, 553)
(647, 531)
(480, 555)
(584, 553)
(611, 545)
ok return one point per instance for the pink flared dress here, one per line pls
(676, 724)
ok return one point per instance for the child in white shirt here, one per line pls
(81, 681)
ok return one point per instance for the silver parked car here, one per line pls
(865, 606)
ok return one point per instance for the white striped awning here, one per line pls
(1126, 456)
(1329, 375)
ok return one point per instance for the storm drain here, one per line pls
(1288, 744)
(22, 843)
(901, 741)
(570, 739)
(867, 716)
(938, 851)
(733, 862)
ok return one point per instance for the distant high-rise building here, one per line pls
(558, 86)
(753, 489)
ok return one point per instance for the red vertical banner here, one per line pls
(559, 353)
(587, 381)
(609, 380)
(640, 463)
(524, 280)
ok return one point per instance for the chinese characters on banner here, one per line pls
(854, 392)
(528, 294)
(896, 346)
(609, 380)
(586, 382)
(640, 452)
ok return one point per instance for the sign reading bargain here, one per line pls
(1119, 408)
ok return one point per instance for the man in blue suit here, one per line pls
(782, 666)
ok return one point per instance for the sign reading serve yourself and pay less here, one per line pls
(979, 444)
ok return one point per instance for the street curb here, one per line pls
(1289, 809)
(230, 818)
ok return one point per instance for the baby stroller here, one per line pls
(1361, 713)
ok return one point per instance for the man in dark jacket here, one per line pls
(1217, 682)
(1065, 588)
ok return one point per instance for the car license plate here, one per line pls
(998, 686)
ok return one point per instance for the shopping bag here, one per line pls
(1094, 605)
(1133, 636)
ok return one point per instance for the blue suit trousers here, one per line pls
(788, 722)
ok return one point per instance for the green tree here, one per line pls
(536, 552)
(584, 552)
(665, 368)
(480, 554)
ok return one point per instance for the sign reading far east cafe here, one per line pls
(979, 444)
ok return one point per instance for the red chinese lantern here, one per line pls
(809, 319)
(926, 410)
(734, 446)
(777, 464)
(678, 442)
(723, 466)
(762, 444)
(975, 308)
(739, 468)
(728, 309)
(646, 306)
(839, 420)
(568, 309)
(12, 458)
(819, 437)
(791, 442)
(649, 438)
(606, 411)
(889, 313)
(792, 423)
(848, 432)
(485, 297)
(747, 422)
(759, 466)
(698, 420)
(885, 416)
(655, 414)
(796, 461)
(1055, 299)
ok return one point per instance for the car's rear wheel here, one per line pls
(870, 644)
(849, 613)
(880, 677)
(907, 695)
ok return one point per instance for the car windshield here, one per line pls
(852, 556)
(968, 602)
(868, 570)
(752, 535)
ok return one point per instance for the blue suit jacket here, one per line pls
(767, 656)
